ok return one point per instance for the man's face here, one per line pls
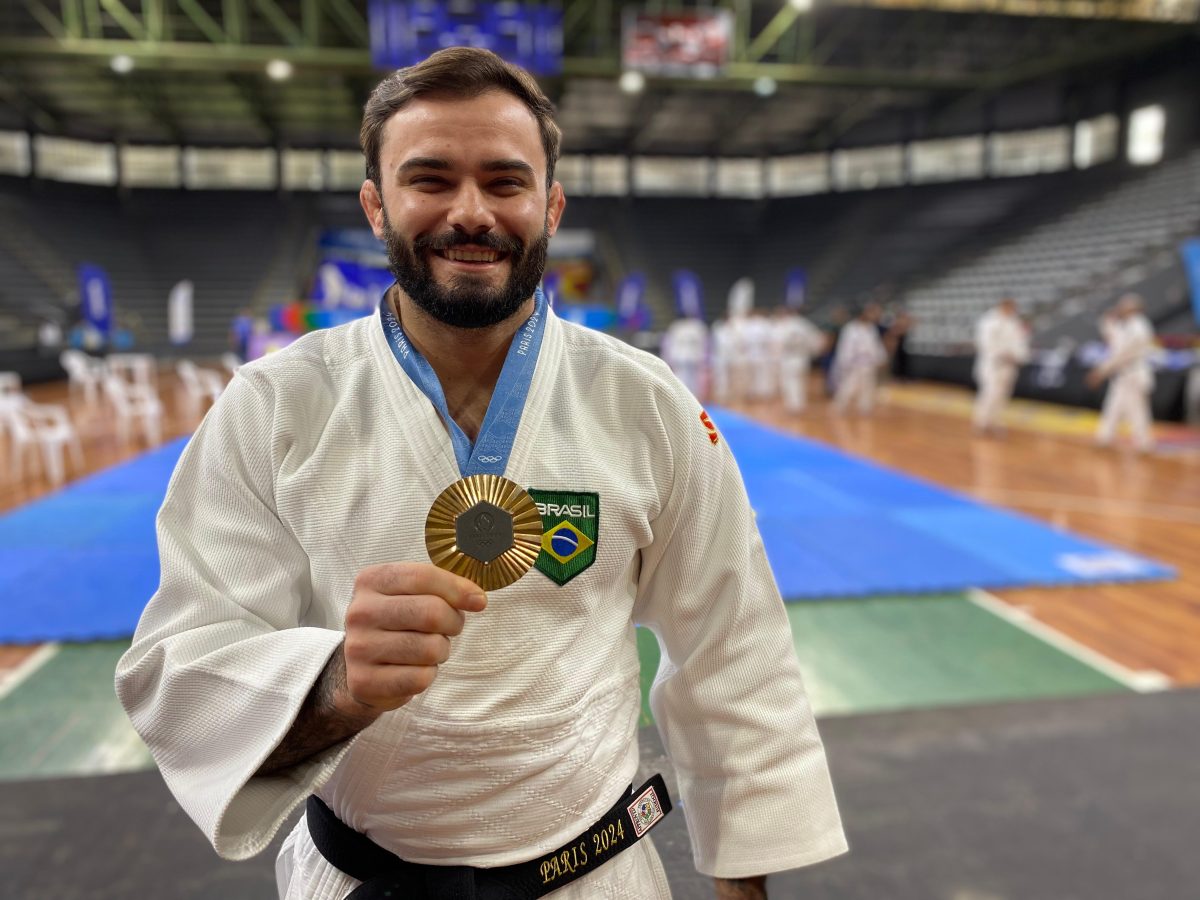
(465, 213)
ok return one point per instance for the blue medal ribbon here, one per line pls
(491, 450)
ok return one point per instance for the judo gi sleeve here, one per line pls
(219, 665)
(728, 698)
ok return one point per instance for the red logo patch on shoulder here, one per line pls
(709, 426)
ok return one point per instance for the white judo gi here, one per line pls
(797, 340)
(721, 350)
(685, 350)
(737, 336)
(323, 459)
(1001, 345)
(860, 353)
(1131, 380)
(757, 337)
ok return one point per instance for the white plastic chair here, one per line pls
(48, 427)
(134, 401)
(10, 399)
(200, 386)
(134, 368)
(83, 372)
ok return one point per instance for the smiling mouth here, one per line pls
(474, 256)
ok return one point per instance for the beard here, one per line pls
(468, 301)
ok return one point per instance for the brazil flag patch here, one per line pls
(570, 529)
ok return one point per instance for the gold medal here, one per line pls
(485, 528)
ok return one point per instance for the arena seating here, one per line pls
(1065, 268)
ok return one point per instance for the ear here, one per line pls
(555, 205)
(372, 204)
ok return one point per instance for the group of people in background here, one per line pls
(759, 357)
(1002, 347)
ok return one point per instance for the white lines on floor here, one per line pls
(1144, 682)
(13, 677)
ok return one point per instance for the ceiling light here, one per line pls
(801, 5)
(122, 64)
(632, 82)
(279, 69)
(764, 85)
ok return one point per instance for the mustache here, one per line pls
(496, 242)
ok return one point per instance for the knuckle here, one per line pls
(404, 577)
(427, 618)
(366, 578)
(354, 649)
(354, 619)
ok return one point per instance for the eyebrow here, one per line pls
(493, 165)
(422, 162)
(508, 165)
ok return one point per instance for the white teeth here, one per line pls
(471, 255)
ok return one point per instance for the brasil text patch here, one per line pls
(571, 527)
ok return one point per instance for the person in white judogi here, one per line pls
(760, 365)
(300, 644)
(737, 335)
(1001, 346)
(722, 350)
(796, 341)
(685, 350)
(860, 353)
(1130, 338)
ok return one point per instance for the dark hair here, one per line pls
(459, 73)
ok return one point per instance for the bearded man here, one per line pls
(459, 737)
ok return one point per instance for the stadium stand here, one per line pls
(1059, 268)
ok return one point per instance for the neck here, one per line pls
(467, 361)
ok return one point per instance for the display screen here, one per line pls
(691, 45)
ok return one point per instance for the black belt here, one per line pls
(383, 874)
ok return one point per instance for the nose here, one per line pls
(469, 212)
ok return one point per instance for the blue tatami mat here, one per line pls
(837, 526)
(80, 564)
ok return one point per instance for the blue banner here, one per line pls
(350, 285)
(795, 288)
(1190, 251)
(353, 272)
(353, 243)
(632, 312)
(689, 297)
(95, 298)
(404, 32)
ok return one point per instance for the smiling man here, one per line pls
(302, 648)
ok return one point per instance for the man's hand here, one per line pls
(742, 888)
(1095, 378)
(398, 630)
